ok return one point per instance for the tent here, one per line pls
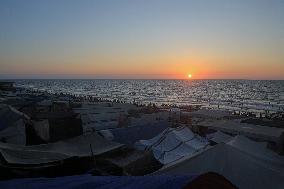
(173, 144)
(130, 135)
(81, 146)
(259, 151)
(87, 181)
(244, 162)
(12, 125)
(219, 137)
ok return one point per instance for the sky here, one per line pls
(142, 39)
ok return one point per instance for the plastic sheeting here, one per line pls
(219, 137)
(130, 135)
(173, 144)
(47, 153)
(42, 129)
(243, 167)
(259, 151)
(254, 131)
(99, 182)
(12, 125)
(15, 133)
(9, 115)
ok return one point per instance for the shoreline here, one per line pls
(260, 113)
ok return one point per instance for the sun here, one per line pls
(189, 76)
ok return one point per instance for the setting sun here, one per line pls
(189, 75)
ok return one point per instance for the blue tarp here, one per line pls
(99, 182)
(130, 135)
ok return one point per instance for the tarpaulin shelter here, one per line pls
(130, 135)
(245, 163)
(12, 125)
(173, 144)
(81, 146)
(219, 137)
(209, 180)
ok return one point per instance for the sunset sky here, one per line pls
(168, 39)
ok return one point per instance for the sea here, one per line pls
(236, 95)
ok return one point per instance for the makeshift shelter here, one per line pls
(258, 150)
(140, 119)
(98, 119)
(44, 106)
(12, 125)
(270, 134)
(82, 146)
(244, 162)
(130, 135)
(42, 129)
(87, 181)
(67, 157)
(53, 127)
(129, 161)
(173, 144)
(61, 106)
(219, 137)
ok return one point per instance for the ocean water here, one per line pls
(246, 95)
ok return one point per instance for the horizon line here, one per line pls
(2, 79)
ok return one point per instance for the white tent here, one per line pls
(173, 144)
(258, 150)
(245, 163)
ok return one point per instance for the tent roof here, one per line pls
(173, 144)
(100, 182)
(130, 135)
(241, 168)
(258, 150)
(219, 137)
(9, 115)
(45, 153)
(138, 182)
(235, 126)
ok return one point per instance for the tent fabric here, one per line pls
(258, 150)
(81, 146)
(12, 125)
(106, 134)
(237, 127)
(176, 154)
(42, 129)
(30, 157)
(143, 144)
(100, 182)
(15, 133)
(9, 115)
(219, 137)
(173, 144)
(241, 168)
(130, 135)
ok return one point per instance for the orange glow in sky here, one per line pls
(142, 39)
